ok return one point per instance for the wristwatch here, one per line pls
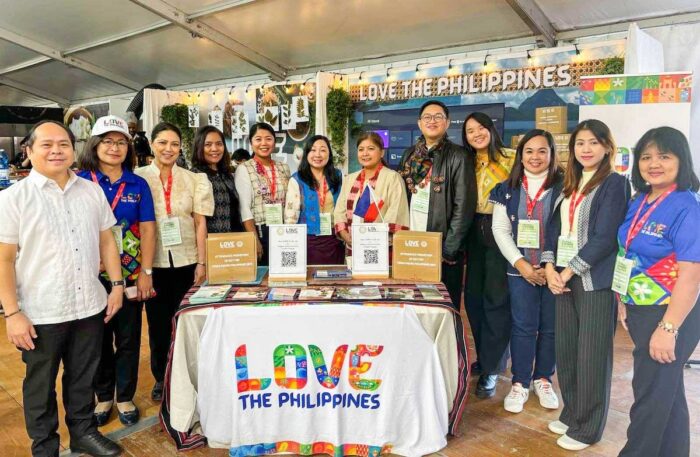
(148, 271)
(668, 327)
(118, 283)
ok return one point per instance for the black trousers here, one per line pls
(121, 343)
(583, 336)
(660, 424)
(453, 278)
(76, 344)
(171, 285)
(486, 297)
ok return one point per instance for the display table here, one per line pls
(435, 319)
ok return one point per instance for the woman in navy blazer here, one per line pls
(579, 258)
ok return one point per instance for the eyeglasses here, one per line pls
(121, 144)
(433, 118)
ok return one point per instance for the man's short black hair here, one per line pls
(434, 102)
(31, 137)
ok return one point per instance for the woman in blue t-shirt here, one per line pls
(658, 277)
(108, 161)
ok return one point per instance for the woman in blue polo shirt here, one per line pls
(107, 160)
(658, 277)
(311, 196)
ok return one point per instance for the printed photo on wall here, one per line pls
(287, 117)
(300, 106)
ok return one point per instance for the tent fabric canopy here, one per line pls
(75, 50)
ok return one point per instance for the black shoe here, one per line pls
(129, 418)
(486, 387)
(96, 445)
(157, 392)
(103, 418)
(475, 368)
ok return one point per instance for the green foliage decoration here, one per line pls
(339, 110)
(177, 114)
(613, 66)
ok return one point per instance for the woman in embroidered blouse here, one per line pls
(311, 196)
(581, 241)
(261, 184)
(212, 158)
(522, 205)
(486, 292)
(182, 200)
(387, 187)
(660, 298)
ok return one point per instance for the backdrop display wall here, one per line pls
(519, 84)
(632, 104)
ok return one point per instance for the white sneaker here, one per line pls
(516, 399)
(545, 392)
(571, 444)
(558, 427)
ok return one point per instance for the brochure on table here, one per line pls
(417, 256)
(231, 257)
(287, 252)
(370, 251)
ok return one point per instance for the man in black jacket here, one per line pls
(441, 188)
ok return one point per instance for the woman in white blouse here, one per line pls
(181, 200)
(262, 185)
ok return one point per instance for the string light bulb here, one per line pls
(486, 59)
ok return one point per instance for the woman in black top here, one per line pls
(212, 157)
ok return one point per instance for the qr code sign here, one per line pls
(289, 259)
(371, 256)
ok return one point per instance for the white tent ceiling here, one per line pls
(75, 50)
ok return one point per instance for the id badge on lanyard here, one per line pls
(170, 232)
(326, 224)
(420, 201)
(622, 274)
(567, 246)
(117, 232)
(273, 213)
(528, 234)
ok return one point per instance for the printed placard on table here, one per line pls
(287, 252)
(417, 256)
(370, 251)
(231, 257)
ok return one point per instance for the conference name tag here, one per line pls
(528, 234)
(326, 224)
(117, 232)
(420, 201)
(273, 213)
(622, 275)
(567, 249)
(170, 232)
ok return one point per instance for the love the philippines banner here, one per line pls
(341, 380)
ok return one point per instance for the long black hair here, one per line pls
(89, 161)
(669, 140)
(496, 145)
(554, 173)
(329, 171)
(198, 160)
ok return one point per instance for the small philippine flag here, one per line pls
(368, 206)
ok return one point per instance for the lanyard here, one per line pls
(573, 204)
(120, 190)
(531, 203)
(322, 195)
(167, 192)
(638, 223)
(272, 182)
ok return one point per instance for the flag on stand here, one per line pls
(368, 206)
